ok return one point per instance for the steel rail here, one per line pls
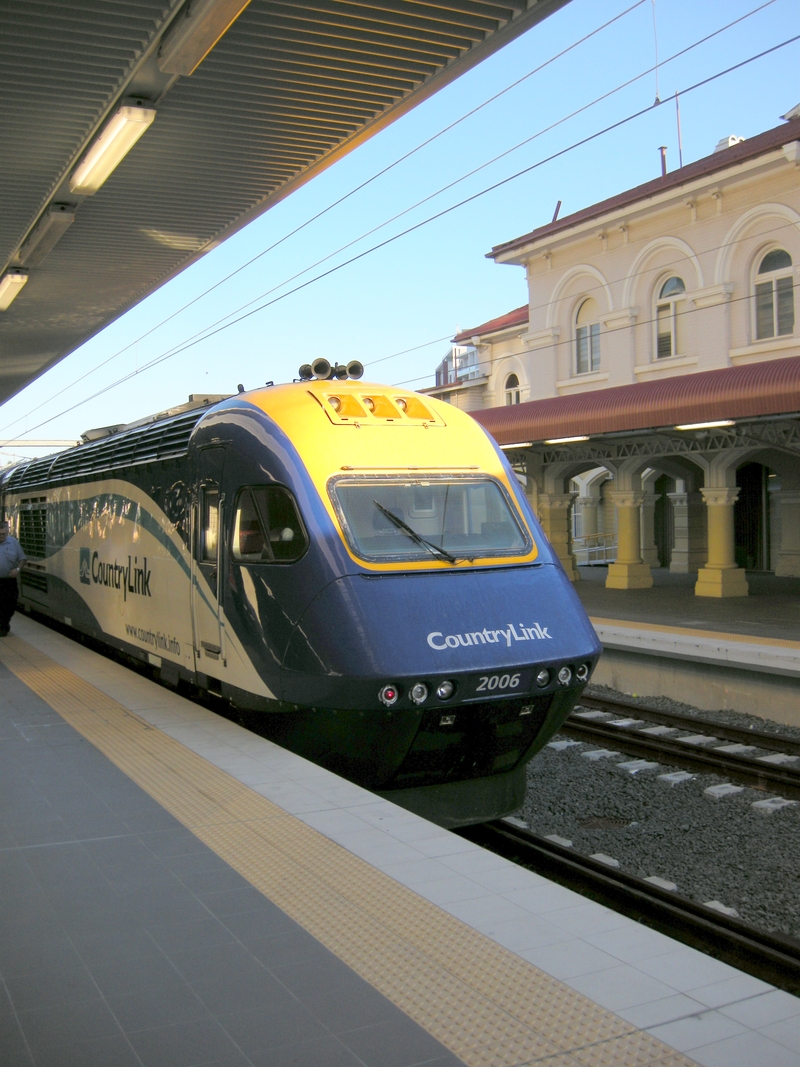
(772, 957)
(737, 734)
(746, 769)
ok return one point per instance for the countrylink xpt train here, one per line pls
(354, 561)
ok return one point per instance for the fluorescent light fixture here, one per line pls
(518, 444)
(47, 232)
(194, 33)
(705, 425)
(118, 137)
(10, 285)
(180, 242)
(564, 440)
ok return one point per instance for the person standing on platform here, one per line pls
(11, 559)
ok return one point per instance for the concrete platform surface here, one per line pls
(177, 891)
(772, 609)
(740, 654)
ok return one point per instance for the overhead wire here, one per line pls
(585, 291)
(346, 196)
(210, 329)
(440, 214)
(663, 265)
(201, 333)
(619, 329)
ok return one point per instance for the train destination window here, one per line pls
(465, 517)
(267, 527)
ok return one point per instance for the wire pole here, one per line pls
(655, 41)
(680, 139)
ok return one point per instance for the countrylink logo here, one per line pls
(85, 567)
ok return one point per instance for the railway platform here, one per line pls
(176, 891)
(741, 653)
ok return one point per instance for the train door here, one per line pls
(208, 563)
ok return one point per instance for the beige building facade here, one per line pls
(690, 275)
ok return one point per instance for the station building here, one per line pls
(649, 392)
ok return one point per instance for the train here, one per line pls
(353, 565)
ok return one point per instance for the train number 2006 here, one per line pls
(489, 682)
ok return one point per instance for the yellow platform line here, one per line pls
(488, 1006)
(716, 635)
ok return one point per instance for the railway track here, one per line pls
(756, 758)
(774, 958)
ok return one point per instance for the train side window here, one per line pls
(210, 525)
(267, 527)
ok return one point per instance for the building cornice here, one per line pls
(757, 153)
(711, 295)
(469, 383)
(541, 338)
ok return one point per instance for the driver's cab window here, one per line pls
(267, 527)
(210, 532)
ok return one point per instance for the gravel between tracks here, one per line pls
(723, 715)
(713, 849)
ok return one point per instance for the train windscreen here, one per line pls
(451, 517)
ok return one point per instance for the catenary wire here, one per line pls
(589, 289)
(557, 344)
(221, 324)
(346, 196)
(208, 330)
(628, 326)
(656, 268)
(205, 331)
(598, 287)
(440, 214)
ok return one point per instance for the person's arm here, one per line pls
(21, 561)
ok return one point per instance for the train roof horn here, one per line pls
(321, 370)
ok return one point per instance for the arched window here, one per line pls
(512, 389)
(667, 313)
(587, 337)
(775, 296)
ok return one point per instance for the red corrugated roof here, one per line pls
(517, 317)
(770, 388)
(727, 157)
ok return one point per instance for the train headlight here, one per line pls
(418, 693)
(582, 673)
(444, 690)
(543, 678)
(565, 676)
(388, 695)
(335, 403)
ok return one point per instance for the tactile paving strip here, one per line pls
(488, 1006)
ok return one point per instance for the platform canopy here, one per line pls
(752, 393)
(281, 89)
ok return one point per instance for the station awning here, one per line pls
(287, 90)
(750, 391)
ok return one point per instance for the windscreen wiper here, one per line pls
(418, 539)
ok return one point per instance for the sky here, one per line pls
(418, 290)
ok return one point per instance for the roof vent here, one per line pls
(101, 431)
(728, 142)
